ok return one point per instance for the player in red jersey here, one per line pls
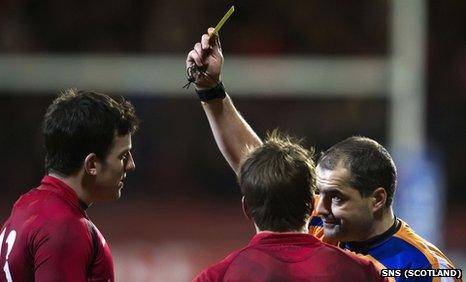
(48, 236)
(277, 181)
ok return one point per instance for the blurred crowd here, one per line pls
(258, 27)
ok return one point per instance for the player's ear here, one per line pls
(379, 198)
(90, 164)
(245, 207)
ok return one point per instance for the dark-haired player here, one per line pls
(356, 179)
(48, 236)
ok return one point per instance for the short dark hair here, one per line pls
(81, 122)
(368, 162)
(277, 180)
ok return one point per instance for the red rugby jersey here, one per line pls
(290, 257)
(49, 237)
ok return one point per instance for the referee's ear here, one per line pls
(90, 166)
(245, 207)
(379, 198)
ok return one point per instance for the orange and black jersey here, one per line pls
(398, 248)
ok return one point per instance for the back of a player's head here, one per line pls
(78, 123)
(368, 162)
(277, 180)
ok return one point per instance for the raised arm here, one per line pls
(231, 132)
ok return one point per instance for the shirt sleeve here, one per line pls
(207, 276)
(214, 273)
(374, 273)
(62, 251)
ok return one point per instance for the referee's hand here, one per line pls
(205, 61)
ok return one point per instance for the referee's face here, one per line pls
(346, 215)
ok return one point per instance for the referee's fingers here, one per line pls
(214, 38)
(205, 42)
(211, 31)
(193, 58)
(200, 52)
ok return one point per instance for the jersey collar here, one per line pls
(363, 247)
(263, 238)
(53, 184)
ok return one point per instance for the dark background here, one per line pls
(180, 209)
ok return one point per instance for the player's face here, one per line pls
(113, 169)
(346, 215)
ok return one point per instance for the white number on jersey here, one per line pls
(10, 240)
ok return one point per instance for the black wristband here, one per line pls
(212, 93)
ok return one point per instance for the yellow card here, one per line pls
(224, 19)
